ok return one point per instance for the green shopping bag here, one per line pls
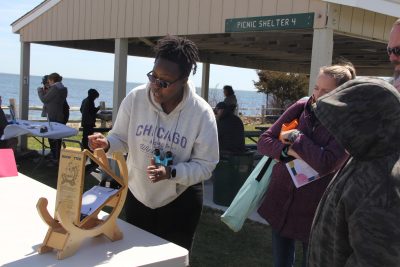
(250, 195)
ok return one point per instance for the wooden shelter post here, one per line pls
(23, 106)
(205, 81)
(322, 50)
(120, 69)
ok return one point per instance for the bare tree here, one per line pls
(215, 95)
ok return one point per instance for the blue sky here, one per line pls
(80, 64)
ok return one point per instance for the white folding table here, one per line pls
(22, 231)
(54, 130)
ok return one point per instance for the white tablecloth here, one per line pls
(22, 231)
(56, 131)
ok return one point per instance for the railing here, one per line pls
(103, 119)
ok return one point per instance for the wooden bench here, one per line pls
(252, 135)
(271, 118)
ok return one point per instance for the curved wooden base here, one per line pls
(65, 236)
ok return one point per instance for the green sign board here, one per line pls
(281, 22)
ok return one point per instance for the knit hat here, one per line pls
(221, 105)
(92, 93)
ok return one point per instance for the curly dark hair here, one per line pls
(178, 50)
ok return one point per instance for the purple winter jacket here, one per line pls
(288, 209)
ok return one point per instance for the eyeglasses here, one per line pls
(158, 82)
(394, 50)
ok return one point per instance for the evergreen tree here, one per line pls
(284, 88)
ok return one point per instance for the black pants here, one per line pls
(175, 222)
(87, 130)
(55, 145)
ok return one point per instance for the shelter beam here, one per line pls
(205, 81)
(120, 70)
(23, 107)
(322, 51)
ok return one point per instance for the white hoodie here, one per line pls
(189, 132)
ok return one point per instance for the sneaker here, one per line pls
(52, 163)
(96, 170)
(48, 156)
(92, 168)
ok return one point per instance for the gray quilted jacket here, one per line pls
(54, 101)
(357, 222)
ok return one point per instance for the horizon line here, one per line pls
(17, 74)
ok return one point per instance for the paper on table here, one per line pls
(8, 167)
(301, 172)
(95, 197)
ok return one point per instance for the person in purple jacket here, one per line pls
(290, 210)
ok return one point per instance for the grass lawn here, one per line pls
(251, 127)
(216, 245)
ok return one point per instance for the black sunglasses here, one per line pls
(394, 50)
(158, 82)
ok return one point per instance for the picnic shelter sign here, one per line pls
(268, 23)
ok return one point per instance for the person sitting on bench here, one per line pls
(9, 143)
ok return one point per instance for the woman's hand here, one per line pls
(97, 140)
(293, 153)
(284, 136)
(157, 173)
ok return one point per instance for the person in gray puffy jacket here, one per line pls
(357, 222)
(55, 101)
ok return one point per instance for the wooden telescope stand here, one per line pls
(67, 230)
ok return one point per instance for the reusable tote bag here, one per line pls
(250, 195)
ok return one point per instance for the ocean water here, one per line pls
(250, 102)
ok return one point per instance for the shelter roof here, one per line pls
(359, 34)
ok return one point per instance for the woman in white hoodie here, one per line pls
(166, 115)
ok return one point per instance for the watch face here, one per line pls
(173, 173)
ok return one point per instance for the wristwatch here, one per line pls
(172, 172)
(284, 152)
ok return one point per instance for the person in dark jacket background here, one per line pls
(89, 112)
(290, 210)
(230, 130)
(230, 98)
(9, 143)
(357, 222)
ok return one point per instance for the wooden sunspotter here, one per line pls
(67, 230)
